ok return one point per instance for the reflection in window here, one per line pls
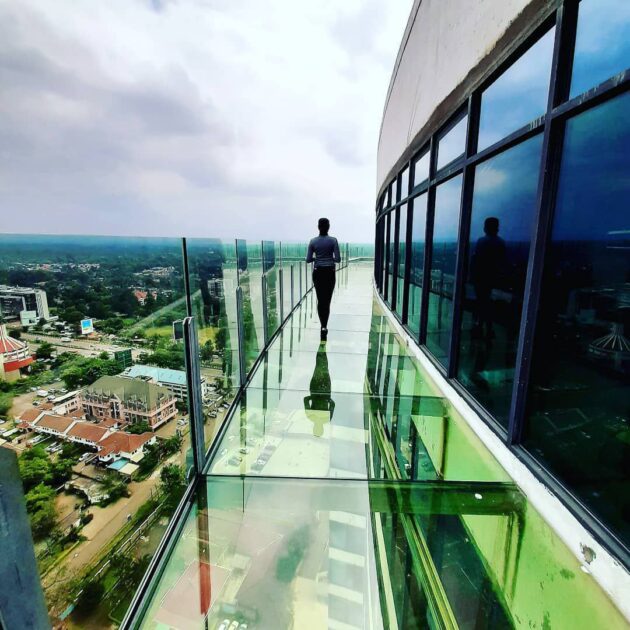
(404, 184)
(452, 144)
(443, 257)
(418, 227)
(602, 45)
(519, 95)
(421, 169)
(402, 248)
(389, 259)
(503, 208)
(394, 188)
(578, 396)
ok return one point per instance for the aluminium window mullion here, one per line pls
(468, 182)
(428, 242)
(553, 137)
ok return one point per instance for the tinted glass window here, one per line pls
(421, 169)
(394, 189)
(418, 227)
(402, 248)
(404, 184)
(452, 144)
(578, 404)
(444, 253)
(519, 95)
(602, 45)
(503, 207)
(391, 229)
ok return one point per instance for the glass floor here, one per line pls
(346, 493)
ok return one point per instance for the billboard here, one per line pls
(123, 358)
(87, 326)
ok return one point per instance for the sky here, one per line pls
(213, 118)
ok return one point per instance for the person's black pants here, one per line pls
(324, 281)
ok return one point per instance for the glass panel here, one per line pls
(213, 282)
(451, 145)
(519, 95)
(443, 259)
(272, 296)
(578, 397)
(392, 254)
(404, 184)
(416, 278)
(421, 169)
(602, 44)
(402, 248)
(504, 203)
(394, 192)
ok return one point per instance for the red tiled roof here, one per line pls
(87, 431)
(56, 423)
(123, 442)
(30, 415)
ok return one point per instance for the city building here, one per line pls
(130, 400)
(173, 380)
(15, 300)
(15, 356)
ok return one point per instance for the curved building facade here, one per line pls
(503, 243)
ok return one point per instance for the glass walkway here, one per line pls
(345, 492)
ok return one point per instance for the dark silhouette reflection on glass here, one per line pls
(319, 406)
(487, 264)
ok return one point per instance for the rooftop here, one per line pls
(129, 390)
(161, 375)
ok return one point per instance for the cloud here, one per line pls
(205, 117)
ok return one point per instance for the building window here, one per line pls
(404, 184)
(503, 207)
(402, 248)
(577, 416)
(452, 144)
(393, 187)
(416, 271)
(519, 95)
(387, 259)
(421, 169)
(442, 267)
(602, 44)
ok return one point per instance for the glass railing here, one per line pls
(121, 358)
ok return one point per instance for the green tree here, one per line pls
(207, 350)
(40, 505)
(90, 597)
(15, 333)
(172, 485)
(139, 427)
(61, 470)
(6, 402)
(45, 350)
(35, 468)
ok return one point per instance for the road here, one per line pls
(87, 347)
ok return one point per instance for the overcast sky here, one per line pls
(224, 118)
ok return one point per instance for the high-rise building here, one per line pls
(14, 300)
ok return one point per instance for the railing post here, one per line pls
(301, 292)
(193, 386)
(241, 336)
(292, 288)
(281, 297)
(263, 288)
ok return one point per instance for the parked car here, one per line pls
(225, 624)
(235, 460)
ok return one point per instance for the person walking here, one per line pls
(323, 251)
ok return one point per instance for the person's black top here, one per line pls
(326, 251)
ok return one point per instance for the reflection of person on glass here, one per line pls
(323, 251)
(487, 265)
(319, 406)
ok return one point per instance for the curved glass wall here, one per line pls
(527, 313)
